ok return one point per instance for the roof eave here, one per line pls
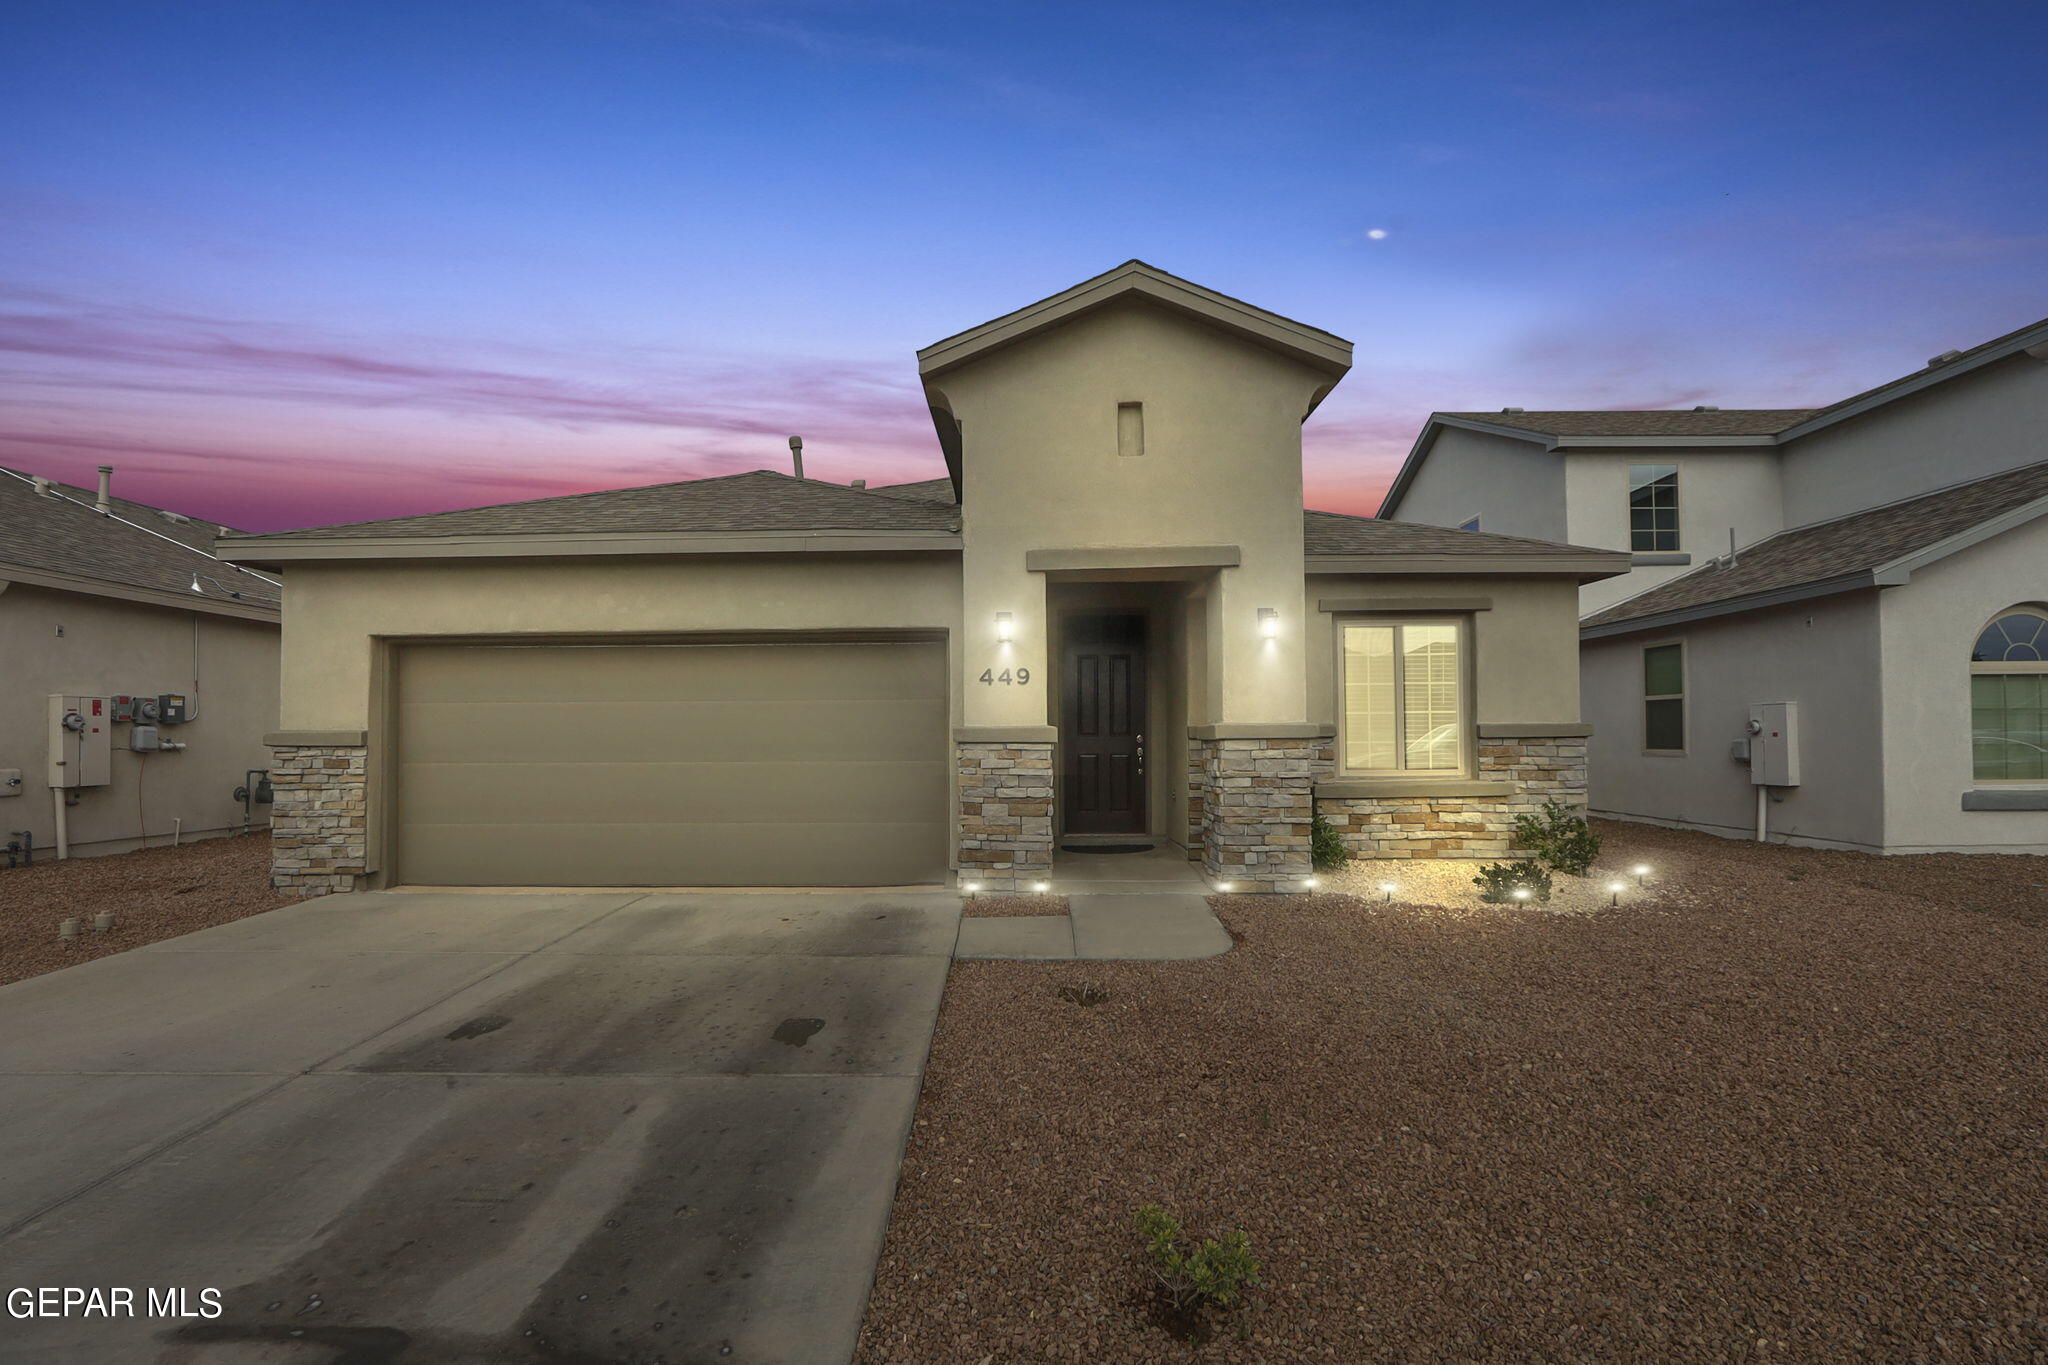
(2032, 341)
(1583, 568)
(1679, 616)
(245, 608)
(281, 550)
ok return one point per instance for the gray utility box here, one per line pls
(81, 741)
(1774, 744)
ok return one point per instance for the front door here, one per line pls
(1102, 725)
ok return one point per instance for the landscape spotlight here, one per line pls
(1223, 886)
(1309, 883)
(1388, 887)
(971, 887)
(1614, 893)
(1041, 886)
(1642, 871)
(1521, 893)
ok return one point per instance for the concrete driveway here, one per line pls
(457, 1127)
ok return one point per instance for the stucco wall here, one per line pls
(1966, 428)
(333, 611)
(1222, 466)
(1525, 652)
(1822, 654)
(1512, 486)
(1928, 626)
(109, 647)
(1717, 489)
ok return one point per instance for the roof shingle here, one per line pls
(760, 500)
(1334, 533)
(1827, 550)
(61, 533)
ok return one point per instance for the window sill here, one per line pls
(2006, 798)
(1339, 787)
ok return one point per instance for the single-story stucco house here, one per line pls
(1112, 619)
(140, 674)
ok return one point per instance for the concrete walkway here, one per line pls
(1136, 907)
(474, 1128)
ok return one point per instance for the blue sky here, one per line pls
(292, 262)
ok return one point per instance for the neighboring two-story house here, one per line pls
(1878, 564)
(1111, 619)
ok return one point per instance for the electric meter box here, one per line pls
(1774, 744)
(81, 741)
(173, 708)
(124, 710)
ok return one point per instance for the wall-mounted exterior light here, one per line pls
(1003, 627)
(1269, 622)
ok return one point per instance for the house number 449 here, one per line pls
(1020, 676)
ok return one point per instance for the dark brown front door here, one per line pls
(1102, 725)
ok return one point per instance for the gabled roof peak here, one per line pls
(1308, 345)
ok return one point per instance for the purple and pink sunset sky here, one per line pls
(287, 262)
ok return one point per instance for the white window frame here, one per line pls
(1683, 697)
(1462, 623)
(1628, 507)
(2001, 667)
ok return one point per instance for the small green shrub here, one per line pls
(1498, 882)
(1558, 837)
(1325, 845)
(1215, 1273)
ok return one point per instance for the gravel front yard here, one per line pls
(1793, 1109)
(155, 893)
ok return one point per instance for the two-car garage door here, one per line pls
(791, 764)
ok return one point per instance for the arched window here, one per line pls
(2009, 698)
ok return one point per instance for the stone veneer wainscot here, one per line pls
(1535, 769)
(1005, 793)
(319, 823)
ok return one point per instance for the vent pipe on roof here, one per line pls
(105, 502)
(1942, 359)
(1514, 409)
(860, 483)
(43, 486)
(796, 454)
(1708, 407)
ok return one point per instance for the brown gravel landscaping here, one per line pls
(155, 893)
(989, 906)
(1794, 1109)
(1448, 882)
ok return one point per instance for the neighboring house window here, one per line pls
(1664, 698)
(1471, 525)
(1404, 696)
(1652, 507)
(2009, 698)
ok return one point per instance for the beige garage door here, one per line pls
(672, 765)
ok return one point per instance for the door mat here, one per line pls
(1107, 848)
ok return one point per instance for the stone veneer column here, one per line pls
(1258, 802)
(319, 820)
(1005, 823)
(1198, 797)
